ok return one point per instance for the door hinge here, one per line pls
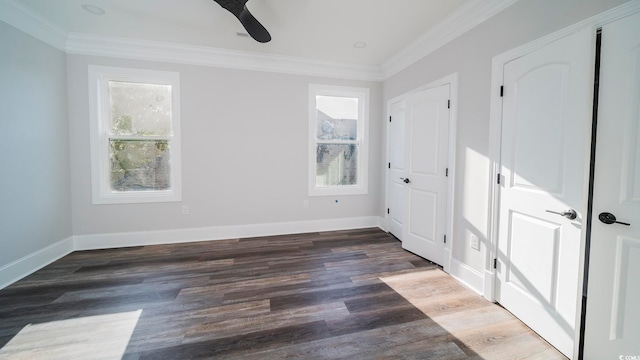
(502, 91)
(389, 165)
(389, 118)
(445, 238)
(495, 263)
(448, 104)
(446, 172)
(388, 211)
(498, 179)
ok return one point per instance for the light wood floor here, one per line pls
(336, 295)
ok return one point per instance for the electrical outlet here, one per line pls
(475, 242)
(185, 210)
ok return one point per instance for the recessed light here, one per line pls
(359, 45)
(93, 9)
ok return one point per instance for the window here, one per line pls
(338, 129)
(135, 135)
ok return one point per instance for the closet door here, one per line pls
(397, 168)
(425, 180)
(612, 328)
(544, 157)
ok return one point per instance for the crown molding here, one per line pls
(465, 18)
(16, 14)
(86, 44)
(471, 14)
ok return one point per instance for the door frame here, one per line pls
(495, 136)
(452, 81)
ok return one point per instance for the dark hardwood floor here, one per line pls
(336, 295)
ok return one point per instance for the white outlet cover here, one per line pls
(475, 242)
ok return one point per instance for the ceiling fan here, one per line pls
(250, 23)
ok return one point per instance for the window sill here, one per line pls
(138, 197)
(338, 191)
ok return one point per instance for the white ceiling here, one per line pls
(323, 30)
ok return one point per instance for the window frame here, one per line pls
(100, 120)
(362, 94)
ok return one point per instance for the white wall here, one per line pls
(470, 56)
(35, 206)
(244, 153)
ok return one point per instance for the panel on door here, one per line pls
(545, 121)
(533, 244)
(397, 160)
(612, 328)
(427, 134)
(423, 207)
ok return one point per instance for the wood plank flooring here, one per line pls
(336, 295)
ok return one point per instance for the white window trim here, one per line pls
(98, 95)
(362, 94)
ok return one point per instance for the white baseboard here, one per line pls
(115, 240)
(467, 276)
(382, 223)
(41, 258)
(35, 261)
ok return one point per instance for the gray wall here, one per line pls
(35, 209)
(470, 56)
(244, 152)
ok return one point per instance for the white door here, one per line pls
(397, 160)
(544, 155)
(612, 329)
(425, 201)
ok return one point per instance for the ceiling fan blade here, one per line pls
(250, 23)
(254, 27)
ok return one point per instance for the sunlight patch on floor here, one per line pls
(483, 327)
(431, 291)
(92, 337)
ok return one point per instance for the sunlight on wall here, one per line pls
(475, 198)
(101, 336)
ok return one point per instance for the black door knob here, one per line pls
(406, 181)
(609, 218)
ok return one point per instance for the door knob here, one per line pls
(569, 214)
(406, 180)
(609, 218)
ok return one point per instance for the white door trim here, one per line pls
(452, 80)
(495, 134)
